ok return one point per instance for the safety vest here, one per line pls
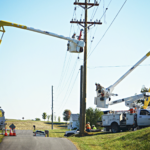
(88, 126)
(94, 128)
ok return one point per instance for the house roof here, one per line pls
(74, 117)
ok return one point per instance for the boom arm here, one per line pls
(128, 72)
(75, 46)
(129, 101)
(104, 94)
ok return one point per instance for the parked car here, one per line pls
(39, 133)
(69, 133)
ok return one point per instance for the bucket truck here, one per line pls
(73, 46)
(103, 99)
(2, 119)
(134, 118)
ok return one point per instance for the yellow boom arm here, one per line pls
(74, 45)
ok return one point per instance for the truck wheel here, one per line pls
(115, 128)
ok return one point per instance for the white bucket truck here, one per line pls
(134, 118)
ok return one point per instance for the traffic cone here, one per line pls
(10, 134)
(6, 132)
(14, 132)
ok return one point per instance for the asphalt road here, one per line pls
(26, 141)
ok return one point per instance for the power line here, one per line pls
(68, 95)
(116, 66)
(65, 73)
(72, 73)
(108, 28)
(95, 10)
(92, 39)
(61, 77)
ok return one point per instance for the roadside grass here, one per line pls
(40, 125)
(1, 137)
(137, 140)
(59, 133)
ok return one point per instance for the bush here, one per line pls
(37, 119)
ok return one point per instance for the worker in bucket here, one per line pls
(93, 127)
(88, 127)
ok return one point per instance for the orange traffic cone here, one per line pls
(10, 134)
(6, 132)
(14, 132)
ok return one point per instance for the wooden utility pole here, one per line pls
(52, 107)
(81, 102)
(84, 24)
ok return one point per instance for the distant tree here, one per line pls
(144, 89)
(44, 115)
(59, 119)
(66, 115)
(93, 115)
(48, 117)
(37, 119)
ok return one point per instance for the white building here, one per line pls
(74, 121)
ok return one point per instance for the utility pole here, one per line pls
(52, 107)
(84, 24)
(81, 102)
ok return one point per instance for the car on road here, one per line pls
(39, 133)
(69, 133)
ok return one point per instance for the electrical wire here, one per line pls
(95, 11)
(108, 28)
(68, 95)
(61, 77)
(97, 26)
(116, 66)
(69, 79)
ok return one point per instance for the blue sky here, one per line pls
(31, 63)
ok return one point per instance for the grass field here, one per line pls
(40, 125)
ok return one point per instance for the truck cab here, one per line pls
(143, 118)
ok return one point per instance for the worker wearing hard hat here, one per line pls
(88, 127)
(94, 128)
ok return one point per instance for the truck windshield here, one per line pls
(144, 112)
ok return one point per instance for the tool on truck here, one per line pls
(73, 46)
(103, 99)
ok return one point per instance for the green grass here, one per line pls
(1, 137)
(137, 140)
(57, 133)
